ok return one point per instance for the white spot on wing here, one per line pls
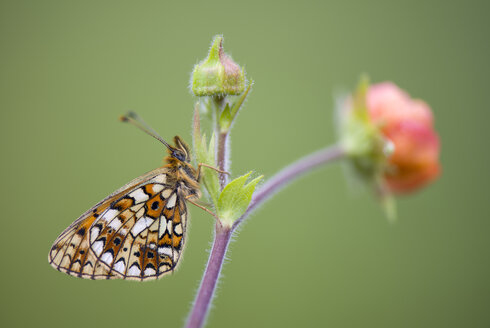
(161, 178)
(166, 250)
(94, 233)
(171, 201)
(178, 229)
(149, 272)
(169, 227)
(109, 215)
(157, 188)
(141, 225)
(119, 266)
(97, 247)
(139, 196)
(115, 224)
(163, 227)
(134, 271)
(166, 193)
(107, 258)
(138, 227)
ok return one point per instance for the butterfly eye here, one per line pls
(179, 155)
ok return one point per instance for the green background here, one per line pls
(318, 254)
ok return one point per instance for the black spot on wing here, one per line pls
(150, 266)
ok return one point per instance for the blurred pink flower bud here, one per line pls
(408, 124)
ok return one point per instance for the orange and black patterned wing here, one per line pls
(135, 233)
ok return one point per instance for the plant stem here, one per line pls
(223, 233)
(222, 158)
(222, 238)
(208, 284)
(222, 153)
(290, 173)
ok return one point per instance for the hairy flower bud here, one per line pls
(218, 74)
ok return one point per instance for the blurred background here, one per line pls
(318, 254)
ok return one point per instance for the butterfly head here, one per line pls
(180, 160)
(180, 151)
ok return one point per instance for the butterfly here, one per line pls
(137, 232)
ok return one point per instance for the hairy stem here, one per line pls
(222, 153)
(223, 233)
(290, 173)
(223, 158)
(210, 279)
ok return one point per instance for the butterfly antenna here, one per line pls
(133, 118)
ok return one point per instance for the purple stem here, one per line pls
(223, 233)
(288, 174)
(210, 278)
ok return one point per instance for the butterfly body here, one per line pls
(136, 233)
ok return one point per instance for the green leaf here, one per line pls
(225, 119)
(228, 114)
(241, 99)
(235, 198)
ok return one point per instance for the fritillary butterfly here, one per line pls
(137, 232)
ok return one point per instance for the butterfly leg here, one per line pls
(201, 207)
(200, 165)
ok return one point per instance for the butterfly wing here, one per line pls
(135, 233)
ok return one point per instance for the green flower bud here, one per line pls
(218, 74)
